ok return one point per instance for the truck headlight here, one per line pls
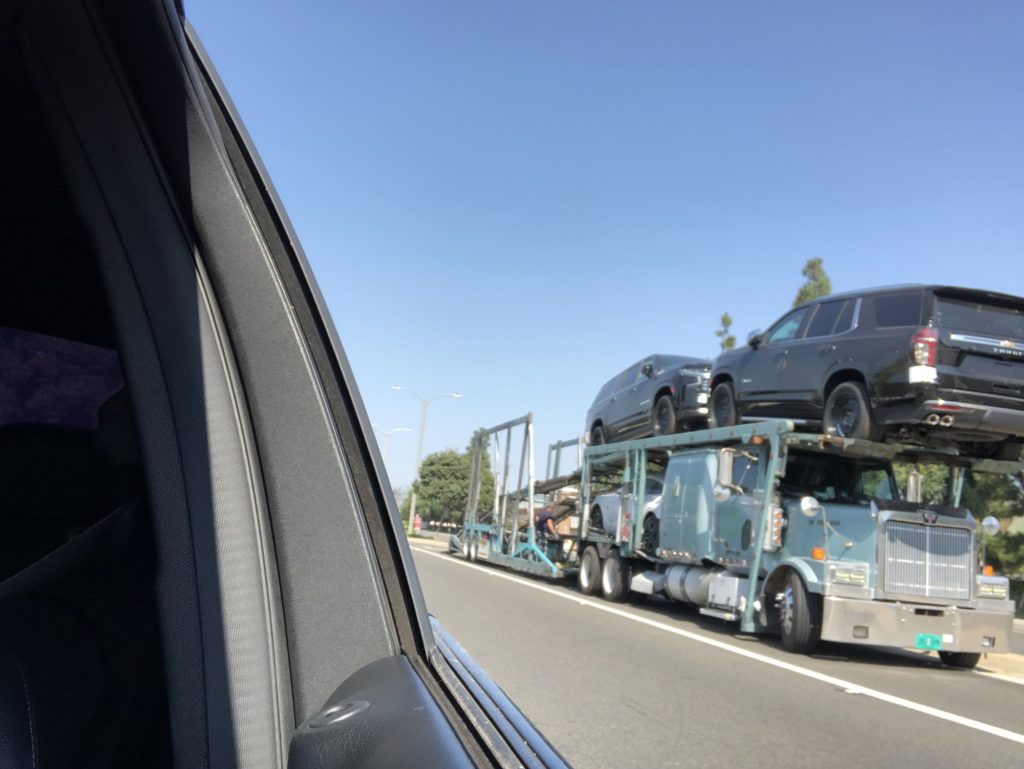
(994, 587)
(841, 573)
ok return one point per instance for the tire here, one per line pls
(722, 410)
(663, 416)
(589, 577)
(847, 413)
(649, 535)
(615, 576)
(596, 519)
(799, 617)
(597, 436)
(962, 660)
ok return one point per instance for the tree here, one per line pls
(817, 283)
(442, 486)
(726, 340)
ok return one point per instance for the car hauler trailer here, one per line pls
(502, 530)
(800, 534)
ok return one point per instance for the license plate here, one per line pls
(929, 641)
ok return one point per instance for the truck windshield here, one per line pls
(837, 479)
(990, 319)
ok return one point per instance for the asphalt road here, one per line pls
(652, 684)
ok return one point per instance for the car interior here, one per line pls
(199, 566)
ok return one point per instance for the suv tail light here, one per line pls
(923, 345)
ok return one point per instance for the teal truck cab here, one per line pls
(804, 535)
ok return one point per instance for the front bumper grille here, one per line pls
(927, 561)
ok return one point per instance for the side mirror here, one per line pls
(754, 338)
(648, 370)
(990, 525)
(810, 507)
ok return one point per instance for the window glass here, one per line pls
(898, 310)
(786, 328)
(835, 479)
(845, 321)
(824, 321)
(744, 470)
(988, 319)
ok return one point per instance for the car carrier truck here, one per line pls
(779, 531)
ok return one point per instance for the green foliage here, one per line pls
(817, 283)
(726, 340)
(1005, 552)
(442, 487)
(984, 494)
(934, 481)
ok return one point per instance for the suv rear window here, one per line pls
(988, 319)
(898, 310)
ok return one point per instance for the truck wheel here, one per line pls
(799, 617)
(723, 406)
(649, 536)
(663, 417)
(964, 660)
(597, 436)
(847, 413)
(615, 577)
(589, 577)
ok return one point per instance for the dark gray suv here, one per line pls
(657, 395)
(931, 364)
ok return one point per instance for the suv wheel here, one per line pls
(847, 413)
(597, 436)
(663, 418)
(723, 406)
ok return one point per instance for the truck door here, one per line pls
(638, 400)
(687, 501)
(810, 358)
(735, 519)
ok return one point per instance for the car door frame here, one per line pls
(768, 361)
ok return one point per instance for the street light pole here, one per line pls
(387, 438)
(419, 448)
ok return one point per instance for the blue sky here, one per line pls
(517, 200)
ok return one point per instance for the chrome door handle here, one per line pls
(828, 348)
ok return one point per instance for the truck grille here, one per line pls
(924, 561)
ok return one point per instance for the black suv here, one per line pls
(933, 364)
(658, 395)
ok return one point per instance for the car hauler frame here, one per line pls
(499, 536)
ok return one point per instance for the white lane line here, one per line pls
(847, 686)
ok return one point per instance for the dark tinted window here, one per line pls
(824, 321)
(898, 310)
(988, 319)
(836, 479)
(845, 322)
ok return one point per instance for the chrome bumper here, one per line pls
(883, 623)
